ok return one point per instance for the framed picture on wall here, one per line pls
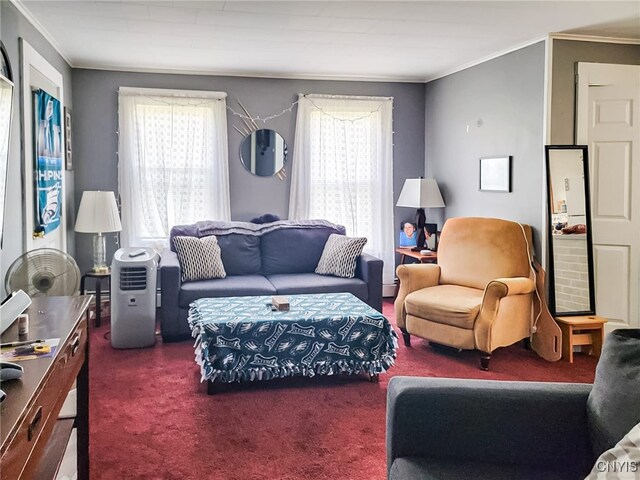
(68, 151)
(495, 174)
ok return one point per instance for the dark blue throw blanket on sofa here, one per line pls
(241, 338)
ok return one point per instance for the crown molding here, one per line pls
(235, 73)
(591, 38)
(479, 61)
(21, 7)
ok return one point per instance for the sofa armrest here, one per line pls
(412, 277)
(519, 423)
(369, 269)
(170, 280)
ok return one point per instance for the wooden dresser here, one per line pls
(33, 439)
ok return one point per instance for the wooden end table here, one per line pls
(579, 331)
(407, 252)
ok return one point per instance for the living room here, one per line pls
(457, 82)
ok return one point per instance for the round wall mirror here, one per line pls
(264, 152)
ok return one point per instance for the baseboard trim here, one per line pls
(388, 290)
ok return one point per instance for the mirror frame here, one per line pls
(590, 263)
(3, 188)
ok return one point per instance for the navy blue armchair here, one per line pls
(453, 429)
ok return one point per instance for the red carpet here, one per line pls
(152, 419)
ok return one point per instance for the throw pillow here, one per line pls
(612, 406)
(199, 258)
(339, 256)
(622, 461)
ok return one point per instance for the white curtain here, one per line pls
(173, 162)
(343, 168)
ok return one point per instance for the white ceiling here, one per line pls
(407, 41)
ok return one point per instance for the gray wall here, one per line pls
(501, 101)
(566, 54)
(95, 139)
(13, 26)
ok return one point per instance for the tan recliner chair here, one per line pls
(478, 296)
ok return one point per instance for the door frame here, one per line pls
(35, 68)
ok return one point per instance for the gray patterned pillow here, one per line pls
(339, 256)
(199, 258)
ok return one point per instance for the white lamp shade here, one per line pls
(420, 193)
(98, 213)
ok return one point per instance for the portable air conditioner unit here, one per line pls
(133, 309)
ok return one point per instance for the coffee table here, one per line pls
(241, 339)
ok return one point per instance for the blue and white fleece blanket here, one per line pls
(242, 339)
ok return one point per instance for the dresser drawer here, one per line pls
(24, 451)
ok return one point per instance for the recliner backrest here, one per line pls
(473, 251)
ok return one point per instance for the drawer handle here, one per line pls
(34, 424)
(75, 343)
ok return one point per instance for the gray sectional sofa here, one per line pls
(267, 259)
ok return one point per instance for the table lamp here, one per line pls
(98, 213)
(420, 193)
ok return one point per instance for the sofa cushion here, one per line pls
(419, 468)
(240, 254)
(231, 286)
(199, 258)
(339, 256)
(448, 304)
(294, 250)
(287, 284)
(613, 406)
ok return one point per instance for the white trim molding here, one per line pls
(597, 39)
(500, 53)
(33, 62)
(19, 4)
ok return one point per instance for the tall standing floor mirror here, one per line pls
(571, 277)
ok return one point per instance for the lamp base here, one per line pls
(99, 254)
(421, 238)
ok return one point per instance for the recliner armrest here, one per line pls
(518, 423)
(412, 277)
(513, 286)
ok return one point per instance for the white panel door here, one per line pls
(609, 123)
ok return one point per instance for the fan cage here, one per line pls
(57, 267)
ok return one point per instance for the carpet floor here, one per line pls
(151, 418)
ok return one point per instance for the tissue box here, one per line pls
(280, 303)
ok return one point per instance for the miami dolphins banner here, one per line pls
(49, 163)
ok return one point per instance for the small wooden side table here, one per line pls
(98, 277)
(581, 330)
(407, 252)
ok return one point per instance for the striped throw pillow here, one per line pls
(199, 258)
(339, 256)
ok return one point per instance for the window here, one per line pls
(343, 168)
(173, 162)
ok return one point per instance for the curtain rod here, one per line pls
(163, 92)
